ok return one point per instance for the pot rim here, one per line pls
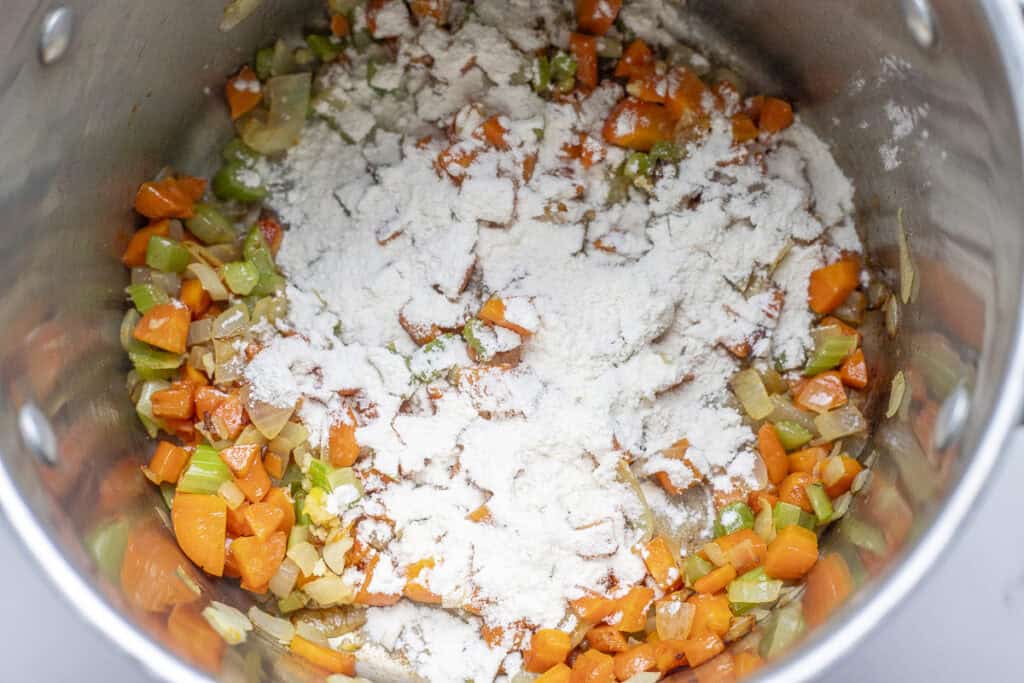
(821, 651)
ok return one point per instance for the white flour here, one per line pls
(626, 353)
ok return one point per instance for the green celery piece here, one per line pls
(782, 630)
(167, 493)
(636, 165)
(830, 353)
(167, 255)
(256, 251)
(229, 183)
(210, 225)
(146, 296)
(362, 39)
(263, 63)
(740, 608)
(563, 66)
(344, 476)
(319, 472)
(295, 600)
(304, 57)
(151, 360)
(541, 80)
(754, 587)
(820, 501)
(609, 48)
(733, 517)
(298, 534)
(241, 277)
(205, 473)
(667, 151)
(696, 567)
(106, 546)
(791, 434)
(323, 47)
(470, 332)
(144, 406)
(238, 152)
(786, 514)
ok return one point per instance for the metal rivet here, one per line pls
(920, 21)
(37, 434)
(55, 34)
(951, 418)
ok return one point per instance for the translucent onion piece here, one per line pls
(279, 629)
(274, 131)
(841, 422)
(128, 341)
(142, 276)
(229, 623)
(290, 436)
(250, 436)
(270, 308)
(231, 494)
(210, 280)
(284, 580)
(773, 381)
(334, 553)
(200, 331)
(644, 677)
(906, 264)
(851, 311)
(750, 391)
(231, 323)
(269, 419)
(673, 619)
(168, 282)
(764, 524)
(304, 629)
(236, 12)
(783, 410)
(899, 387)
(226, 253)
(226, 368)
(892, 315)
(330, 590)
(304, 555)
(332, 621)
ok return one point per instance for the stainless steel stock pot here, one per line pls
(95, 96)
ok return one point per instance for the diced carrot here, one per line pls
(772, 453)
(593, 667)
(649, 88)
(593, 608)
(669, 655)
(752, 107)
(742, 549)
(838, 473)
(243, 93)
(177, 401)
(676, 451)
(597, 16)
(417, 591)
(264, 519)
(429, 9)
(757, 499)
(716, 580)
(192, 186)
(791, 490)
(135, 253)
(637, 61)
(256, 484)
(200, 525)
(164, 199)
(195, 298)
(685, 93)
(702, 648)
(747, 663)
(661, 564)
(559, 673)
(493, 311)
(365, 597)
(229, 417)
(342, 447)
(191, 635)
(480, 514)
(240, 458)
(712, 614)
(793, 552)
(635, 660)
(150, 579)
(272, 233)
(274, 465)
(638, 125)
(165, 326)
(831, 284)
(806, 460)
(548, 646)
(456, 155)
(208, 399)
(588, 150)
(494, 133)
(584, 49)
(325, 658)
(168, 462)
(634, 606)
(340, 26)
(776, 115)
(607, 639)
(238, 523)
(832, 321)
(280, 498)
(854, 370)
(529, 165)
(258, 560)
(743, 129)
(822, 393)
(829, 584)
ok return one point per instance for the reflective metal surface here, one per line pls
(128, 97)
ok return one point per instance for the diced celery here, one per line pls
(298, 534)
(832, 347)
(205, 473)
(256, 252)
(295, 600)
(541, 80)
(344, 476)
(696, 567)
(667, 151)
(471, 333)
(263, 63)
(750, 391)
(319, 472)
(106, 546)
(792, 435)
(232, 182)
(563, 71)
(167, 255)
(146, 296)
(637, 165)
(820, 501)
(241, 276)
(167, 493)
(150, 360)
(787, 514)
(733, 517)
(609, 48)
(782, 630)
(238, 152)
(144, 405)
(323, 47)
(754, 587)
(210, 225)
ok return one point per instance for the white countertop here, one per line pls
(962, 624)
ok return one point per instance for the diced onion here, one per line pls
(142, 276)
(783, 410)
(304, 555)
(250, 436)
(200, 331)
(236, 12)
(764, 524)
(232, 322)
(330, 590)
(644, 677)
(332, 622)
(673, 619)
(269, 419)
(226, 368)
(229, 623)
(274, 131)
(210, 280)
(899, 387)
(304, 629)
(334, 553)
(521, 677)
(290, 436)
(170, 283)
(279, 629)
(231, 494)
(892, 315)
(225, 253)
(750, 391)
(284, 580)
(839, 423)
(715, 554)
(269, 308)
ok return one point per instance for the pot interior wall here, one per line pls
(129, 97)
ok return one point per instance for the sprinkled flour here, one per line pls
(623, 319)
